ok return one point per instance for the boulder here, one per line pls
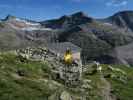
(65, 96)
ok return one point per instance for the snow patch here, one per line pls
(108, 24)
(35, 28)
(26, 22)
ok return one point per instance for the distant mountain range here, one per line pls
(108, 40)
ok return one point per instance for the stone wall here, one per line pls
(70, 74)
(33, 53)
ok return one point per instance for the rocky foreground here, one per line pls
(25, 79)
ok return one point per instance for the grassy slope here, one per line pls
(27, 86)
(121, 90)
(122, 85)
(32, 81)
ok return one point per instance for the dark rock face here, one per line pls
(122, 19)
(124, 54)
(68, 21)
(96, 41)
(107, 59)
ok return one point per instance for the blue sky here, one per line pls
(48, 9)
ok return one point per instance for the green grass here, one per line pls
(31, 80)
(26, 87)
(123, 91)
(95, 92)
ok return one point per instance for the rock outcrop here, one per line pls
(70, 74)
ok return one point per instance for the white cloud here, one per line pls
(117, 3)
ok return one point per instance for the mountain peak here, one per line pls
(65, 17)
(122, 19)
(68, 21)
(125, 12)
(80, 14)
(10, 17)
